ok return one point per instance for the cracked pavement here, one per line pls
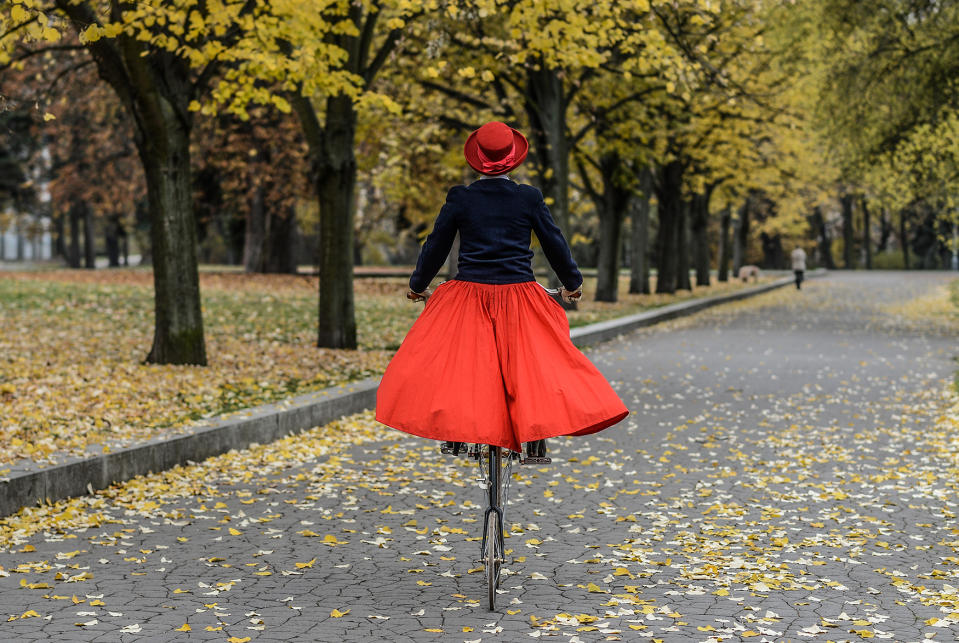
(788, 473)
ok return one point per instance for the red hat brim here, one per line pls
(471, 152)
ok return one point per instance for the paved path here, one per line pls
(789, 474)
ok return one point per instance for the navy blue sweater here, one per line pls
(494, 218)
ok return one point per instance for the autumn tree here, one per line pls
(249, 176)
(159, 58)
(95, 179)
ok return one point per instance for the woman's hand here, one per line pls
(569, 296)
(418, 296)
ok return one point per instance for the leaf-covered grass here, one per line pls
(73, 343)
(936, 309)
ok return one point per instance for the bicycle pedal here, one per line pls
(453, 448)
(536, 460)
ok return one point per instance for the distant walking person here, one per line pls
(799, 265)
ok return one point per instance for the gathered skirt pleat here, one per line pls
(494, 364)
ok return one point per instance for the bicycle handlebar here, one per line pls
(553, 292)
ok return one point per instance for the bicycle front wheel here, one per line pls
(493, 558)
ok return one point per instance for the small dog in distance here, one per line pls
(749, 271)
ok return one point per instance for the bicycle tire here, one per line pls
(492, 559)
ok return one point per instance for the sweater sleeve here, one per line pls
(555, 247)
(436, 248)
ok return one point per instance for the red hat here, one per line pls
(495, 148)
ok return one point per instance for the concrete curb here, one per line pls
(27, 484)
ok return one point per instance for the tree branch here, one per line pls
(30, 53)
(385, 50)
(457, 94)
(16, 28)
(584, 174)
(366, 39)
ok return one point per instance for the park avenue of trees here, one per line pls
(682, 138)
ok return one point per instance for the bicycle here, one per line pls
(496, 465)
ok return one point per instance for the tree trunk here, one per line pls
(682, 244)
(155, 87)
(255, 234)
(124, 244)
(700, 228)
(18, 223)
(89, 243)
(904, 238)
(336, 186)
(741, 237)
(724, 223)
(607, 264)
(76, 214)
(885, 231)
(545, 105)
(112, 239)
(669, 210)
(639, 263)
(774, 257)
(822, 234)
(281, 243)
(866, 234)
(848, 241)
(141, 227)
(178, 329)
(59, 244)
(611, 207)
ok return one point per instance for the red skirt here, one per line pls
(494, 364)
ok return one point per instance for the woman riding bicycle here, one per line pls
(490, 360)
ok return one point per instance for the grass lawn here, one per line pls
(72, 343)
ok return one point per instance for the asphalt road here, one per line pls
(789, 473)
